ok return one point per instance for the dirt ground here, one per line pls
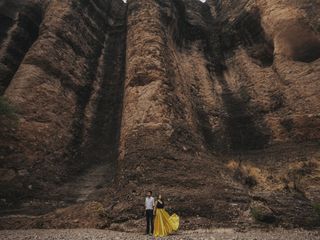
(213, 234)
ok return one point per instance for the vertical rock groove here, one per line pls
(103, 135)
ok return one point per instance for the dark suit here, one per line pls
(149, 217)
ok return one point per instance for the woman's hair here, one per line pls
(159, 200)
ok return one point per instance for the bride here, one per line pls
(164, 224)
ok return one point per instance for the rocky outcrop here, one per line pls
(213, 104)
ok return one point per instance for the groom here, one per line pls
(149, 204)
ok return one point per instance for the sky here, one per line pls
(200, 1)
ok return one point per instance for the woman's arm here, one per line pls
(154, 207)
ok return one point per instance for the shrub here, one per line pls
(250, 181)
(6, 109)
(8, 115)
(262, 215)
(316, 208)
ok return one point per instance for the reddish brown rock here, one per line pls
(215, 105)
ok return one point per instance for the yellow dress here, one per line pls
(164, 224)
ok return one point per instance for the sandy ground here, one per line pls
(216, 234)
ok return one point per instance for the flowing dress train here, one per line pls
(164, 224)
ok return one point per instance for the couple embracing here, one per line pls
(159, 222)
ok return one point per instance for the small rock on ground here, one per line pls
(214, 234)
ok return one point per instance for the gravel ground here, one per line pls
(216, 234)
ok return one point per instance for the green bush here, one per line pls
(6, 109)
(262, 216)
(257, 215)
(316, 207)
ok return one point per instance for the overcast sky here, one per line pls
(200, 0)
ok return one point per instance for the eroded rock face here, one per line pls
(73, 70)
(215, 105)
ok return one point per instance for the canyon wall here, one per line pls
(215, 105)
(65, 84)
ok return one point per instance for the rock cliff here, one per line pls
(215, 105)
